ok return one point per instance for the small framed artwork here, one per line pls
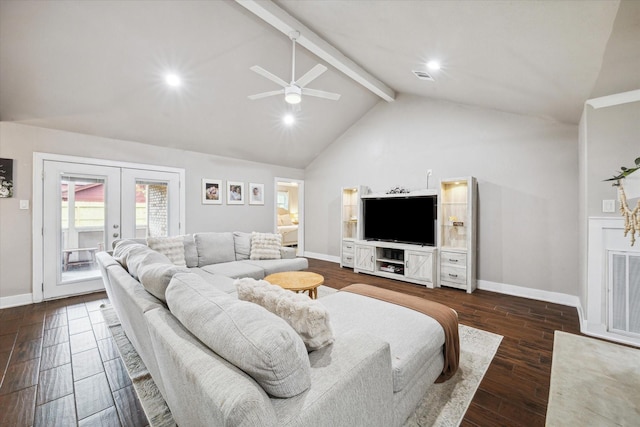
(211, 191)
(6, 178)
(256, 194)
(235, 193)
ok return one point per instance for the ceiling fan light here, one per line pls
(292, 94)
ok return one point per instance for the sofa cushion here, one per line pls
(190, 250)
(265, 246)
(235, 269)
(220, 282)
(245, 334)
(133, 256)
(242, 242)
(271, 266)
(156, 277)
(214, 248)
(413, 337)
(171, 247)
(309, 318)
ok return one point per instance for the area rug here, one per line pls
(593, 383)
(444, 404)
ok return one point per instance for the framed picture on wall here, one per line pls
(211, 191)
(256, 194)
(6, 178)
(235, 193)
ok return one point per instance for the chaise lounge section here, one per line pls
(219, 360)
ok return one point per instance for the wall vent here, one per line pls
(423, 75)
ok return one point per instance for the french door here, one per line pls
(86, 207)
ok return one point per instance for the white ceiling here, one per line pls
(96, 67)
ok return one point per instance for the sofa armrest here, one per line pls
(202, 388)
(351, 384)
(287, 253)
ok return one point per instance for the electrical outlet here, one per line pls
(608, 206)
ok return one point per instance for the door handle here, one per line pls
(116, 226)
(115, 234)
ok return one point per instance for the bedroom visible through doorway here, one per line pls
(289, 212)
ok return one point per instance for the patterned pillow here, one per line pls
(265, 246)
(308, 317)
(171, 247)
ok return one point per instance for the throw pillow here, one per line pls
(171, 247)
(134, 256)
(265, 246)
(214, 248)
(242, 242)
(156, 277)
(309, 318)
(246, 335)
(284, 219)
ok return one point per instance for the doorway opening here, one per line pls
(289, 212)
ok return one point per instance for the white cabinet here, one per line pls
(350, 222)
(457, 232)
(419, 265)
(364, 258)
(409, 263)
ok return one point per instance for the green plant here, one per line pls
(625, 172)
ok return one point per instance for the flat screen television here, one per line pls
(401, 219)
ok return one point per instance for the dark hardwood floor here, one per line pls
(60, 366)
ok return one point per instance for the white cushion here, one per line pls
(242, 242)
(265, 245)
(246, 335)
(309, 318)
(133, 256)
(214, 248)
(284, 219)
(171, 247)
(156, 277)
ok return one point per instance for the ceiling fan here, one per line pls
(293, 91)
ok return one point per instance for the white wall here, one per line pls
(527, 171)
(19, 142)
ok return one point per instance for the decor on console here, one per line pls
(6, 178)
(631, 217)
(398, 190)
(235, 193)
(211, 191)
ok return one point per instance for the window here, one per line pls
(283, 200)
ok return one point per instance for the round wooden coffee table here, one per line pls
(297, 281)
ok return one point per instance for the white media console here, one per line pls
(410, 263)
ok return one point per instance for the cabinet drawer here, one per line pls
(453, 274)
(453, 258)
(348, 247)
(347, 260)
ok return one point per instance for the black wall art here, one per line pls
(6, 178)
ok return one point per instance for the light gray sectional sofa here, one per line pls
(220, 361)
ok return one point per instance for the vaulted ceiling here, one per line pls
(97, 67)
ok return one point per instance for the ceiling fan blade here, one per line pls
(311, 75)
(270, 76)
(321, 94)
(265, 94)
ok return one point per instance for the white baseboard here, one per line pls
(16, 300)
(322, 257)
(537, 294)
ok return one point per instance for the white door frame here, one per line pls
(38, 205)
(276, 180)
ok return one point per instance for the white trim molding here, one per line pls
(16, 300)
(615, 99)
(322, 257)
(530, 293)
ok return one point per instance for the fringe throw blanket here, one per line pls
(447, 317)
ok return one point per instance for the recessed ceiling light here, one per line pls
(173, 80)
(289, 119)
(433, 65)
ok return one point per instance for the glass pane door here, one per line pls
(82, 217)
